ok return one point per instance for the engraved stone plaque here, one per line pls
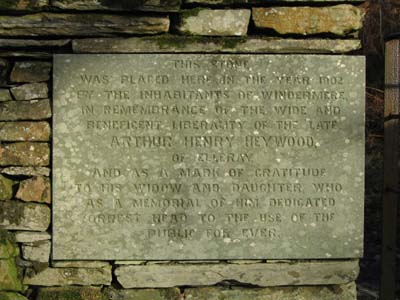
(193, 156)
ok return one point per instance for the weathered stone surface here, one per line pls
(80, 264)
(30, 71)
(29, 44)
(35, 189)
(70, 293)
(25, 154)
(38, 251)
(155, 236)
(266, 274)
(212, 45)
(127, 5)
(324, 292)
(16, 215)
(8, 248)
(9, 279)
(73, 24)
(143, 294)
(25, 110)
(26, 171)
(6, 188)
(31, 236)
(4, 67)
(217, 22)
(5, 95)
(30, 91)
(340, 19)
(68, 276)
(24, 131)
(11, 296)
(7, 5)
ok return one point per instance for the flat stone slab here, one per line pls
(25, 154)
(214, 22)
(31, 237)
(189, 44)
(204, 157)
(24, 131)
(264, 274)
(340, 19)
(145, 5)
(68, 276)
(25, 110)
(26, 171)
(37, 251)
(15, 215)
(52, 24)
(342, 292)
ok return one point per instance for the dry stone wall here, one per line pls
(32, 31)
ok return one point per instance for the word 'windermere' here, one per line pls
(180, 156)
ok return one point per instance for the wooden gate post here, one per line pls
(391, 173)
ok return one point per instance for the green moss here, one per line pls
(9, 277)
(8, 248)
(11, 296)
(232, 43)
(6, 188)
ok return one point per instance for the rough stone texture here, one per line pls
(340, 19)
(5, 95)
(6, 188)
(29, 71)
(23, 4)
(30, 91)
(142, 5)
(29, 44)
(143, 294)
(25, 154)
(38, 251)
(46, 24)
(4, 67)
(70, 293)
(24, 131)
(37, 189)
(16, 215)
(31, 236)
(11, 296)
(75, 236)
(334, 292)
(268, 274)
(9, 280)
(212, 45)
(7, 247)
(68, 276)
(80, 264)
(26, 171)
(25, 110)
(218, 22)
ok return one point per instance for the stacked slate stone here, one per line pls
(32, 31)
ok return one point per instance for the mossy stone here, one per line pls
(6, 188)
(7, 248)
(11, 296)
(9, 279)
